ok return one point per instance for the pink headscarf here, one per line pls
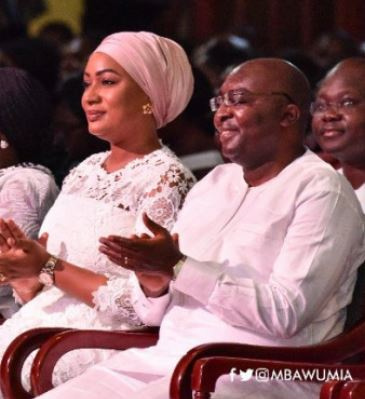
(158, 65)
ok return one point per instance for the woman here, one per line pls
(27, 189)
(135, 83)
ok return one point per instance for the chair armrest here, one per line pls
(353, 390)
(207, 370)
(54, 348)
(14, 357)
(331, 389)
(336, 350)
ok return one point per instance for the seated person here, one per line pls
(339, 120)
(256, 248)
(127, 98)
(27, 187)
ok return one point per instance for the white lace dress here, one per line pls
(94, 203)
(27, 191)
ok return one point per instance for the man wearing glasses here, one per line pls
(339, 120)
(267, 253)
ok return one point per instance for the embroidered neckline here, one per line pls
(134, 162)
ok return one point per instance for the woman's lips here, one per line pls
(93, 116)
(332, 133)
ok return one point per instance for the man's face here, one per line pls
(339, 116)
(248, 130)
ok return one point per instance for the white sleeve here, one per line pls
(18, 201)
(26, 197)
(164, 197)
(321, 250)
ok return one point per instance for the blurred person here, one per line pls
(339, 120)
(254, 261)
(135, 83)
(304, 62)
(332, 47)
(56, 32)
(38, 57)
(27, 187)
(195, 142)
(219, 54)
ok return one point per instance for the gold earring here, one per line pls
(147, 109)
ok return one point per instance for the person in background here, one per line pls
(36, 56)
(254, 262)
(135, 83)
(27, 187)
(339, 120)
(220, 54)
(191, 134)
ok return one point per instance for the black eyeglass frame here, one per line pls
(217, 101)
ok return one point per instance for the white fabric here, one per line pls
(94, 203)
(270, 265)
(27, 191)
(360, 193)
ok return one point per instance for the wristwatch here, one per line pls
(46, 275)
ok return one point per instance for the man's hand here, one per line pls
(145, 254)
(152, 258)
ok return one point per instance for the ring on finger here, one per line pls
(2, 277)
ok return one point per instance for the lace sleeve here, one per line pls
(163, 193)
(164, 198)
(115, 309)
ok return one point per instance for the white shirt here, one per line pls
(267, 265)
(360, 193)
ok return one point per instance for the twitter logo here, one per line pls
(246, 375)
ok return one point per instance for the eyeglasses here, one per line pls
(321, 107)
(241, 97)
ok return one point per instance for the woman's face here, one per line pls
(112, 100)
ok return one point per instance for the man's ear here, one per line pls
(290, 115)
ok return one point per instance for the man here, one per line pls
(258, 238)
(339, 120)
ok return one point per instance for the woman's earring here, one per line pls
(4, 144)
(147, 109)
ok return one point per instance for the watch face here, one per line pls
(45, 279)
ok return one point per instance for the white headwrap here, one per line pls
(158, 65)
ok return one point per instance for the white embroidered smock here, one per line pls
(27, 191)
(94, 203)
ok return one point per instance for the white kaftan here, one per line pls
(27, 191)
(360, 193)
(94, 203)
(268, 265)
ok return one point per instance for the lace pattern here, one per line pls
(92, 204)
(113, 302)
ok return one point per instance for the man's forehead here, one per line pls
(344, 80)
(249, 76)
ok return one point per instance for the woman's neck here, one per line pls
(121, 154)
